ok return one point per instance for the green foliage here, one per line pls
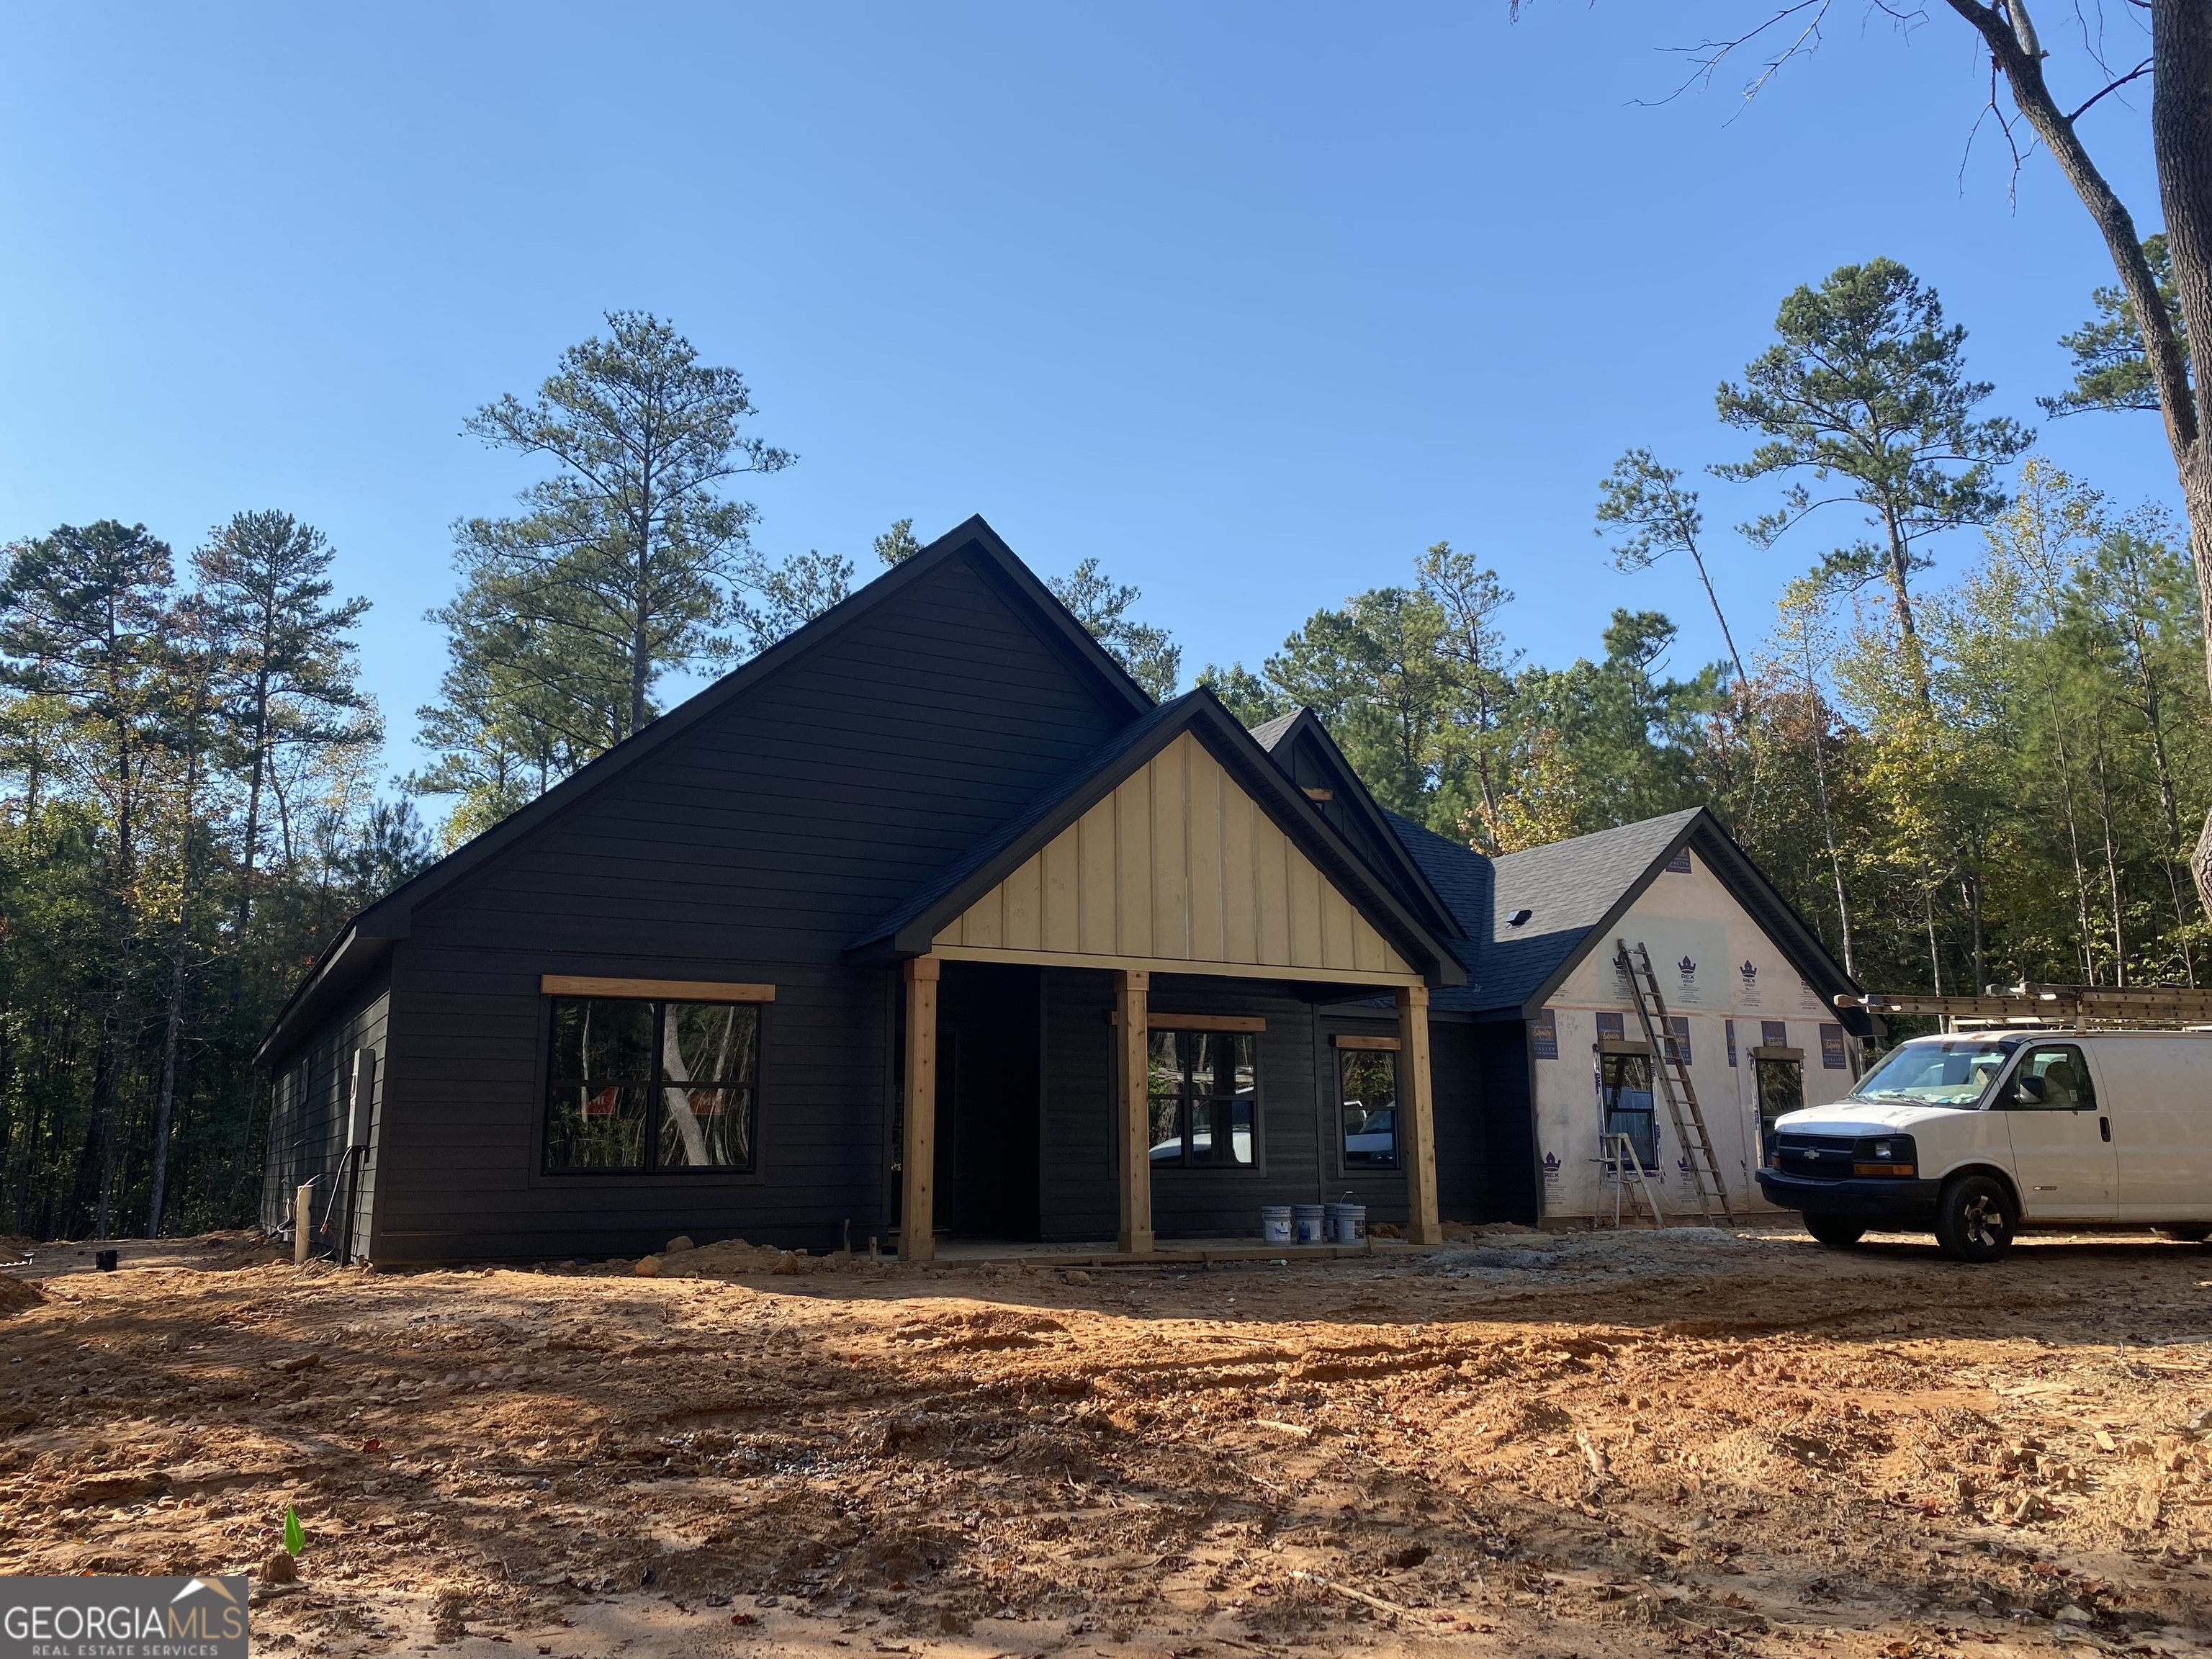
(1152, 656)
(1865, 393)
(2109, 369)
(1654, 516)
(183, 819)
(896, 545)
(295, 1536)
(1244, 693)
(627, 564)
(1430, 703)
(2023, 817)
(793, 594)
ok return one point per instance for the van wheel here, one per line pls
(1975, 1219)
(1838, 1232)
(2194, 1233)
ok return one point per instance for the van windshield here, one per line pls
(1947, 1072)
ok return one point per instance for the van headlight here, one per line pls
(1893, 1156)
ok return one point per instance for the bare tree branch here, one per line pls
(2139, 69)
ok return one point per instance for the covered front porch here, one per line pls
(1041, 1104)
(1054, 1104)
(1168, 995)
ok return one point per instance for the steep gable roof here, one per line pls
(1301, 744)
(1571, 888)
(1577, 890)
(368, 936)
(911, 928)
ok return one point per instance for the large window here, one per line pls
(1367, 1091)
(1202, 1090)
(651, 1086)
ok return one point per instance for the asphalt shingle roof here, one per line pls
(1268, 734)
(1568, 887)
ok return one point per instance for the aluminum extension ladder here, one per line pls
(1673, 1077)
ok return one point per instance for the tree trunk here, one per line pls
(1935, 956)
(1819, 721)
(2111, 866)
(165, 1105)
(253, 798)
(1970, 888)
(2181, 144)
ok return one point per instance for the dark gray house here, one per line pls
(926, 920)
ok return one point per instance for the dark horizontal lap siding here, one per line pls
(1463, 1137)
(308, 1121)
(1081, 1178)
(750, 850)
(1081, 1197)
(1509, 1108)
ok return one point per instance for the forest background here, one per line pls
(1985, 771)
(1986, 780)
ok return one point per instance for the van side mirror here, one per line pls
(2029, 1092)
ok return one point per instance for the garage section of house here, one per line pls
(928, 921)
(1745, 998)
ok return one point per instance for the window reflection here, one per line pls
(1367, 1091)
(640, 1085)
(1203, 1090)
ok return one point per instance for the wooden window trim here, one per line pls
(1384, 1045)
(1624, 1045)
(1156, 1021)
(654, 990)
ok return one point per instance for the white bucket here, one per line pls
(1275, 1224)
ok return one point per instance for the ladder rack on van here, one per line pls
(1672, 1074)
(2076, 1007)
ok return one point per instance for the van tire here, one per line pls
(2194, 1232)
(1838, 1232)
(1975, 1218)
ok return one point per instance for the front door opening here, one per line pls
(1781, 1089)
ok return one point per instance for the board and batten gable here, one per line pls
(1714, 964)
(749, 849)
(1177, 863)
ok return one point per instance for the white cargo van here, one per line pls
(1978, 1135)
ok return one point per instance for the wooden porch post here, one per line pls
(1417, 1117)
(1132, 1072)
(918, 1156)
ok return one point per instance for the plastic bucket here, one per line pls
(1349, 1223)
(1275, 1224)
(1306, 1221)
(1332, 1223)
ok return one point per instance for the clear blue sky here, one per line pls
(1252, 302)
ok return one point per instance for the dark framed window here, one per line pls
(638, 1085)
(1367, 1106)
(1625, 1087)
(1204, 1095)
